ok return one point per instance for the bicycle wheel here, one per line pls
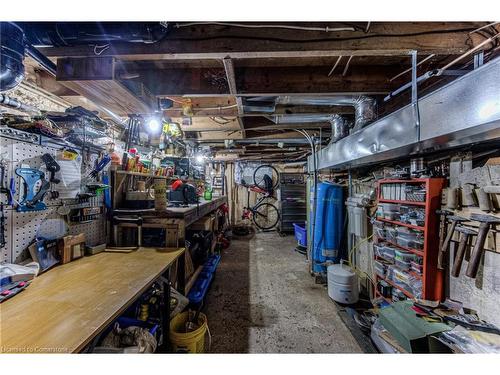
(261, 171)
(266, 216)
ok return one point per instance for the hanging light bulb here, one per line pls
(154, 125)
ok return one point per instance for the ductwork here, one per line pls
(16, 104)
(340, 126)
(365, 108)
(60, 34)
(463, 112)
(11, 56)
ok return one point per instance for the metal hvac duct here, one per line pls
(365, 108)
(16, 104)
(463, 112)
(340, 126)
(60, 34)
(11, 56)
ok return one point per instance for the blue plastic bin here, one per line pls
(211, 264)
(300, 234)
(200, 287)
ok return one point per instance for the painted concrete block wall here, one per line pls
(483, 293)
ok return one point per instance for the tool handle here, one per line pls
(477, 252)
(12, 191)
(446, 244)
(459, 256)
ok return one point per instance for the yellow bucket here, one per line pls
(192, 342)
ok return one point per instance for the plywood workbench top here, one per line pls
(64, 308)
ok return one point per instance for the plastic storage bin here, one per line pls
(200, 287)
(404, 256)
(411, 244)
(300, 234)
(389, 252)
(380, 267)
(391, 234)
(402, 265)
(378, 250)
(211, 264)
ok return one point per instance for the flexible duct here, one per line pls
(60, 34)
(340, 126)
(365, 108)
(11, 56)
(14, 103)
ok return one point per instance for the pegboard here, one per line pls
(21, 227)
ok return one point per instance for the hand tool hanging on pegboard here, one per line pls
(35, 186)
(52, 167)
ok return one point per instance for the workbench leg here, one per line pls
(165, 313)
(181, 274)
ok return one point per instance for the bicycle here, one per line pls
(265, 215)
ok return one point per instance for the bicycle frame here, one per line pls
(248, 211)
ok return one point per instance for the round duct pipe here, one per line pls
(365, 108)
(11, 56)
(60, 34)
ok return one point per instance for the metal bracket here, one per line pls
(414, 92)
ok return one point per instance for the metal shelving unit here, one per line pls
(292, 201)
(432, 277)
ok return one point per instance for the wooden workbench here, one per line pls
(174, 220)
(66, 307)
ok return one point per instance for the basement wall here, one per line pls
(482, 293)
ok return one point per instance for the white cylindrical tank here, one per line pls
(342, 284)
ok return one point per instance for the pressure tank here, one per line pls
(342, 284)
(329, 226)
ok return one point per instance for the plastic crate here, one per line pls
(300, 234)
(211, 264)
(200, 287)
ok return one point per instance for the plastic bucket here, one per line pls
(192, 342)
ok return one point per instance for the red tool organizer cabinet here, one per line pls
(432, 277)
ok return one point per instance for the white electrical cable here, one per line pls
(102, 48)
(484, 27)
(334, 66)
(271, 26)
(347, 66)
(409, 69)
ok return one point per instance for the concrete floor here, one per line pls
(263, 300)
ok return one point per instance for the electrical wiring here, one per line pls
(270, 26)
(319, 40)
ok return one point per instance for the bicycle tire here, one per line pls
(257, 215)
(260, 183)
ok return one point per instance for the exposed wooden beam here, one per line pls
(270, 81)
(233, 90)
(94, 78)
(215, 42)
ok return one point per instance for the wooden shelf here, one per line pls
(394, 285)
(143, 175)
(409, 203)
(416, 227)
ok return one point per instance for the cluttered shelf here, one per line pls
(414, 203)
(394, 285)
(130, 173)
(378, 294)
(410, 250)
(416, 227)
